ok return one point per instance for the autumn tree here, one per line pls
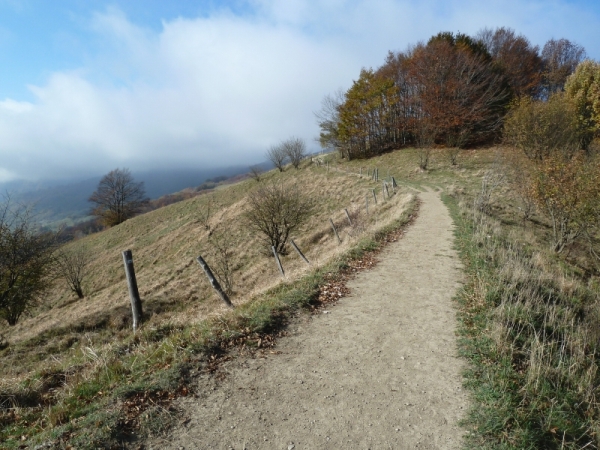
(544, 129)
(458, 89)
(365, 118)
(560, 58)
(516, 58)
(569, 192)
(118, 197)
(405, 108)
(25, 261)
(583, 88)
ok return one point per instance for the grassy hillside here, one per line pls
(61, 361)
(528, 317)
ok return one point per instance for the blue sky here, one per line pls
(90, 85)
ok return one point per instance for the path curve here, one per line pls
(378, 370)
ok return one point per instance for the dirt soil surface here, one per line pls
(378, 370)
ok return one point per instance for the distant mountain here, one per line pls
(65, 202)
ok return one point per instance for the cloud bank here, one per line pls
(219, 89)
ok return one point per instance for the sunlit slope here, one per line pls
(166, 242)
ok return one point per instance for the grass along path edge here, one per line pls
(130, 391)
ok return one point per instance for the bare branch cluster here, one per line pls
(275, 211)
(295, 149)
(71, 265)
(256, 172)
(277, 155)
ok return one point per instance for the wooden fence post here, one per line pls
(374, 196)
(367, 202)
(394, 184)
(299, 252)
(348, 216)
(386, 189)
(335, 231)
(278, 261)
(134, 295)
(213, 281)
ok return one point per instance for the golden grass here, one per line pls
(166, 242)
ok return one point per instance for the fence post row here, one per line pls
(134, 295)
(213, 281)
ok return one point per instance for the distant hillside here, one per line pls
(65, 203)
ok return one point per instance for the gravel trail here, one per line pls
(379, 370)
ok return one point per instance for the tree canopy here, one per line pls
(118, 197)
(454, 90)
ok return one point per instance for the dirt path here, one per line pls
(379, 370)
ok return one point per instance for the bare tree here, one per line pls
(221, 253)
(71, 265)
(561, 58)
(328, 118)
(118, 197)
(295, 149)
(256, 172)
(25, 261)
(275, 211)
(277, 155)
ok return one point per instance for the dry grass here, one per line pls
(529, 325)
(165, 243)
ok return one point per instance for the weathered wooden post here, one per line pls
(348, 216)
(386, 189)
(394, 184)
(374, 196)
(335, 231)
(278, 261)
(213, 281)
(134, 295)
(299, 252)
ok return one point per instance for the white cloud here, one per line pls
(219, 90)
